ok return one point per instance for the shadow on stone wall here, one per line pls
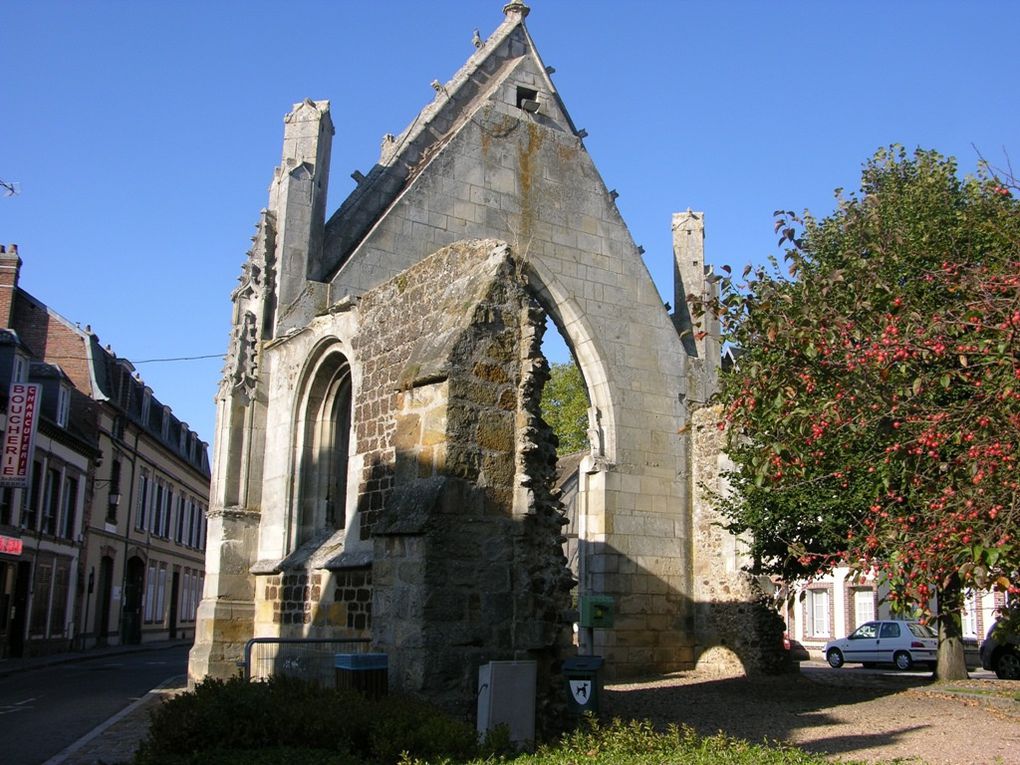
(659, 628)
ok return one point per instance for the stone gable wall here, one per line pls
(532, 184)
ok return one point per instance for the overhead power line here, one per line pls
(79, 357)
(178, 358)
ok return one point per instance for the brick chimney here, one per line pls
(10, 270)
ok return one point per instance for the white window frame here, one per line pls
(146, 406)
(160, 616)
(63, 405)
(143, 499)
(820, 611)
(150, 590)
(971, 607)
(864, 607)
(19, 370)
(158, 500)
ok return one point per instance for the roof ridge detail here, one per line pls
(516, 7)
(400, 154)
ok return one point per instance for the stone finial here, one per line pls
(476, 39)
(516, 7)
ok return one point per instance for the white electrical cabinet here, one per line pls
(506, 696)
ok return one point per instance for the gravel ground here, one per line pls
(849, 714)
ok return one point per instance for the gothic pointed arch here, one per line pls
(322, 432)
(575, 327)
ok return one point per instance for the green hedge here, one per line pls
(285, 721)
(220, 719)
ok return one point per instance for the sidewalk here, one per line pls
(116, 739)
(10, 666)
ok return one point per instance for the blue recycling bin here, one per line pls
(367, 673)
(584, 684)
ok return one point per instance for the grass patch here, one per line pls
(638, 743)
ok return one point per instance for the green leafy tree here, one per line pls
(565, 407)
(874, 413)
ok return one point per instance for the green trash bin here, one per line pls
(584, 685)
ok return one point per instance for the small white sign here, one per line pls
(581, 690)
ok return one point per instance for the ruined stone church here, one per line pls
(381, 465)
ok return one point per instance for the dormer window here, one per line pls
(165, 426)
(19, 370)
(63, 405)
(146, 405)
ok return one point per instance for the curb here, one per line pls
(148, 699)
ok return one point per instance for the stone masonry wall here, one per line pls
(500, 173)
(468, 563)
(395, 319)
(735, 630)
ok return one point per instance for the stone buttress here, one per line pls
(287, 230)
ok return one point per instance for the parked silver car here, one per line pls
(885, 642)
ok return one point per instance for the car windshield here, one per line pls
(921, 630)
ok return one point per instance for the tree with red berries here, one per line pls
(874, 412)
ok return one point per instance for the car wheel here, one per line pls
(1007, 666)
(835, 658)
(902, 660)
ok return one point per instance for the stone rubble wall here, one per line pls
(468, 559)
(736, 630)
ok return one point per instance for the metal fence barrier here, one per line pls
(308, 658)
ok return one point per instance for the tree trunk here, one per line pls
(952, 664)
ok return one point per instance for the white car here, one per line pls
(885, 642)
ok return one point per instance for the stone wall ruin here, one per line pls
(381, 467)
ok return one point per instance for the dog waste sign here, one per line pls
(582, 674)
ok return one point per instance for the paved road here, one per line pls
(45, 710)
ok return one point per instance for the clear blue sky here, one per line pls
(143, 135)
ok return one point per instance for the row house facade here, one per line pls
(105, 543)
(834, 605)
(42, 525)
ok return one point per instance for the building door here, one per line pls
(134, 588)
(102, 617)
(19, 613)
(6, 602)
(174, 584)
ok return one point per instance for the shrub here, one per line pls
(221, 720)
(285, 721)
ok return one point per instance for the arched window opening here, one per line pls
(325, 448)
